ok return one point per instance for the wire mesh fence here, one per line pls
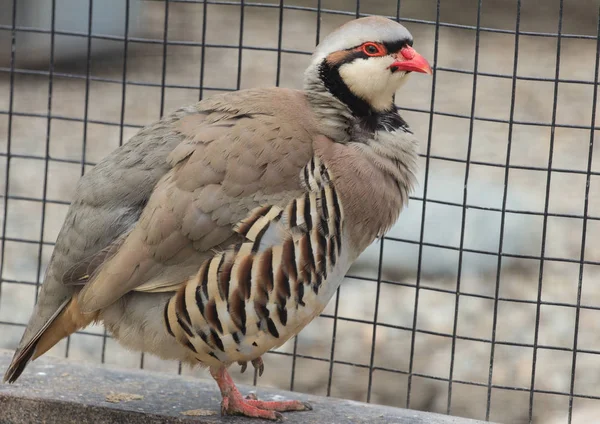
(481, 301)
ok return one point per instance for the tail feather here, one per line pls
(65, 321)
(18, 365)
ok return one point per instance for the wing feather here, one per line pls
(230, 163)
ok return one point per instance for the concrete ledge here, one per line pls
(59, 391)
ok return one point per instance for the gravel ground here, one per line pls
(526, 191)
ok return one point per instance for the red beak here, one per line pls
(407, 59)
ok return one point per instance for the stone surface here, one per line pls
(58, 391)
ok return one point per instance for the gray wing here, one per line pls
(108, 201)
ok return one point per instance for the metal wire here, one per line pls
(513, 96)
(464, 213)
(413, 331)
(423, 208)
(47, 148)
(86, 105)
(545, 219)
(584, 228)
(121, 119)
(325, 11)
(11, 98)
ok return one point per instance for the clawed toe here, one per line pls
(281, 405)
(259, 365)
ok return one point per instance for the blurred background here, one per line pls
(491, 329)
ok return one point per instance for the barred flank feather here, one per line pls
(249, 294)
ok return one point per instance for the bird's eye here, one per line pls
(372, 49)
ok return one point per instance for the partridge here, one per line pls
(220, 231)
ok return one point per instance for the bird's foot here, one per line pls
(235, 404)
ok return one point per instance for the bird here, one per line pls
(217, 233)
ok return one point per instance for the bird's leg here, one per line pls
(235, 404)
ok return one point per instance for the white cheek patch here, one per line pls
(371, 80)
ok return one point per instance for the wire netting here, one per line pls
(482, 301)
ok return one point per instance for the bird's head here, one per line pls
(364, 62)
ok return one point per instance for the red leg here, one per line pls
(235, 404)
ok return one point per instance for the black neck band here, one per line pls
(370, 119)
(330, 75)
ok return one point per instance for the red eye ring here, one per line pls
(373, 49)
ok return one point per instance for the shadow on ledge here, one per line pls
(60, 391)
